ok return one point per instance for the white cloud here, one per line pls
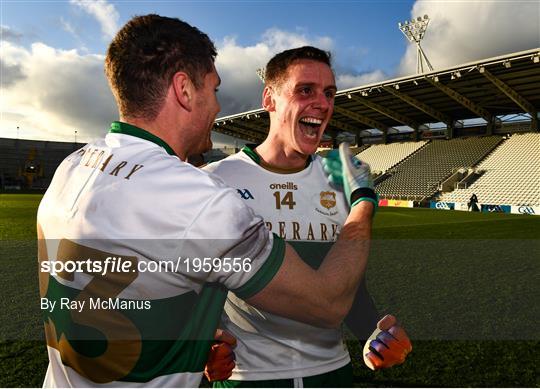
(241, 88)
(279, 40)
(60, 91)
(8, 34)
(49, 92)
(104, 12)
(464, 31)
(68, 27)
(10, 74)
(345, 81)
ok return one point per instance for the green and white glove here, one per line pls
(347, 171)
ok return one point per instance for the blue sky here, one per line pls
(52, 51)
(350, 23)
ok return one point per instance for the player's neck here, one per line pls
(162, 130)
(276, 157)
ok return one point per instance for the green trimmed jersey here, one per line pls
(137, 251)
(304, 210)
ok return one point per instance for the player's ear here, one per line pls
(183, 90)
(268, 102)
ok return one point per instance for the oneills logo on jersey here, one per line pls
(285, 186)
(95, 158)
(328, 199)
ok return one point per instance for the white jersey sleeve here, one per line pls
(241, 239)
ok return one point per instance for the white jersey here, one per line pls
(128, 197)
(303, 209)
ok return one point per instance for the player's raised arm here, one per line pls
(323, 297)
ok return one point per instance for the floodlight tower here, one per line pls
(414, 30)
(260, 73)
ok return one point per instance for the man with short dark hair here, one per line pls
(141, 66)
(147, 246)
(289, 189)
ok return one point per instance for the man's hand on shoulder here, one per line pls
(221, 358)
(387, 346)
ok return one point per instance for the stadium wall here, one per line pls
(491, 208)
(30, 164)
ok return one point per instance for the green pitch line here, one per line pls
(446, 275)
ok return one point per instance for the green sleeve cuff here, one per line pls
(374, 201)
(267, 271)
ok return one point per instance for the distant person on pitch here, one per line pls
(473, 203)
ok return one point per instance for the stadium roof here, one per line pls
(485, 89)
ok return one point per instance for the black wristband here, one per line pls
(363, 192)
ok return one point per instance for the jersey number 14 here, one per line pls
(286, 200)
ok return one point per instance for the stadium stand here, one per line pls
(491, 89)
(354, 150)
(418, 176)
(511, 174)
(498, 171)
(30, 164)
(383, 157)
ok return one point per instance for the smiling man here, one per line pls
(299, 95)
(287, 185)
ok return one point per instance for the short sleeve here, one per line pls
(228, 231)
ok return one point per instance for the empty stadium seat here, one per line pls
(419, 176)
(512, 174)
(383, 157)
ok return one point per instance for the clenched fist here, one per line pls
(221, 358)
(387, 346)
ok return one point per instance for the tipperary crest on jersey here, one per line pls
(328, 199)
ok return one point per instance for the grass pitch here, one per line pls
(464, 285)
